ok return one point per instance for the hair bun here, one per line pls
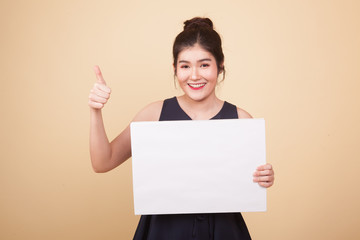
(198, 22)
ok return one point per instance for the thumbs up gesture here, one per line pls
(100, 93)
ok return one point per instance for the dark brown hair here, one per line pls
(200, 31)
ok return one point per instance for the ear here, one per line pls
(221, 68)
(174, 69)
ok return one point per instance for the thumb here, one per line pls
(98, 74)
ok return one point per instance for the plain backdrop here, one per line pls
(294, 63)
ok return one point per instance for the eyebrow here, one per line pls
(201, 60)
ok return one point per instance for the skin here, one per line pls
(196, 66)
(197, 75)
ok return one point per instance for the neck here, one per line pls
(200, 110)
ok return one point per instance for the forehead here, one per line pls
(194, 53)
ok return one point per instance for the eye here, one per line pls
(184, 66)
(204, 65)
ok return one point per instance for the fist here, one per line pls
(100, 93)
(264, 175)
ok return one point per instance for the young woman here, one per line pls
(198, 62)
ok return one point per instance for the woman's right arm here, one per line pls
(105, 155)
(100, 148)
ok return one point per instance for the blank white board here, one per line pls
(197, 166)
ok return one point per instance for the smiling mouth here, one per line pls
(196, 86)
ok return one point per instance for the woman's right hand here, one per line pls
(100, 93)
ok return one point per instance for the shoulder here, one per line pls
(242, 113)
(150, 113)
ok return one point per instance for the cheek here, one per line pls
(181, 76)
(211, 75)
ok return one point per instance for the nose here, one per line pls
(195, 74)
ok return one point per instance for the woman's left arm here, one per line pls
(264, 175)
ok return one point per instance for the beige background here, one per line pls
(294, 63)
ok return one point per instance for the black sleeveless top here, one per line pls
(214, 226)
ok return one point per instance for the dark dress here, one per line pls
(214, 226)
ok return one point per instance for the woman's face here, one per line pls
(197, 73)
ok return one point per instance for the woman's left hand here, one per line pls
(264, 175)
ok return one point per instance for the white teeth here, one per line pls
(197, 85)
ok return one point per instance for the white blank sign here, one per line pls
(197, 166)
